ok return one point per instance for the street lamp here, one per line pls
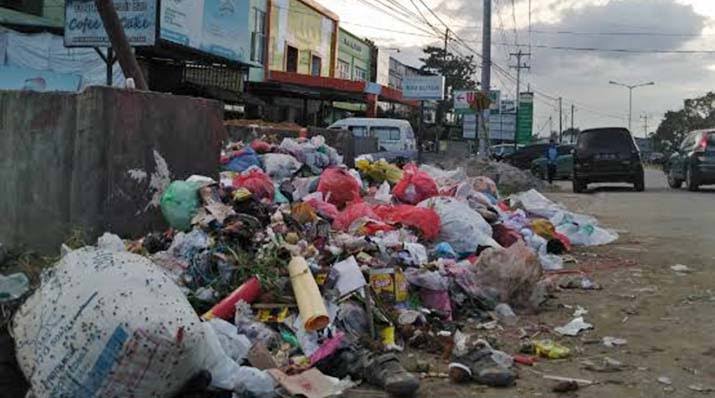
(630, 88)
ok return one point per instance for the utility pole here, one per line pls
(519, 66)
(486, 75)
(630, 88)
(119, 42)
(561, 119)
(551, 127)
(645, 124)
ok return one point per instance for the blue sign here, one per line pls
(217, 27)
(84, 27)
(14, 78)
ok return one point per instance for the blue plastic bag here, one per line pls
(243, 160)
(444, 250)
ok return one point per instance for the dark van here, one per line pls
(607, 155)
(694, 162)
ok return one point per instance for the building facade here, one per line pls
(354, 58)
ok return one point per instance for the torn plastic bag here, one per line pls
(415, 186)
(513, 274)
(280, 166)
(424, 219)
(243, 160)
(582, 230)
(460, 226)
(383, 193)
(434, 290)
(235, 345)
(256, 181)
(339, 187)
(112, 313)
(444, 250)
(353, 212)
(548, 261)
(304, 186)
(487, 186)
(179, 204)
(445, 178)
(255, 331)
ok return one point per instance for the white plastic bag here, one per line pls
(445, 178)
(463, 228)
(110, 324)
(280, 166)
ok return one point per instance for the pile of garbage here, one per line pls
(293, 273)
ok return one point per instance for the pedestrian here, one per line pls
(552, 153)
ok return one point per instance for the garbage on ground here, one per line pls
(308, 271)
(665, 380)
(13, 286)
(684, 269)
(574, 327)
(609, 341)
(604, 365)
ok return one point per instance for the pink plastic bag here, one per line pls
(324, 209)
(415, 186)
(339, 187)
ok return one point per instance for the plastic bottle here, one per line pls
(12, 287)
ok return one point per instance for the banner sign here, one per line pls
(217, 27)
(469, 127)
(84, 27)
(525, 118)
(423, 88)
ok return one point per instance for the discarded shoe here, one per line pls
(479, 366)
(386, 371)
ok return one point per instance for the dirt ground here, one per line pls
(667, 318)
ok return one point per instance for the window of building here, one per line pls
(316, 65)
(344, 70)
(258, 36)
(360, 74)
(291, 59)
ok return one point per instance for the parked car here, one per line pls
(524, 156)
(564, 164)
(498, 152)
(392, 134)
(607, 155)
(693, 162)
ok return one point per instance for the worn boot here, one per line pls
(385, 370)
(479, 366)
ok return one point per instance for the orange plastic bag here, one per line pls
(415, 186)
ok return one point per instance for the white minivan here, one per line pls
(393, 135)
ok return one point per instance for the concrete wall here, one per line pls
(97, 161)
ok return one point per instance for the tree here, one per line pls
(697, 113)
(458, 72)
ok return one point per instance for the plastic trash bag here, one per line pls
(434, 290)
(425, 220)
(444, 250)
(243, 160)
(415, 186)
(256, 181)
(380, 171)
(445, 178)
(460, 226)
(235, 345)
(512, 275)
(261, 146)
(304, 186)
(486, 186)
(280, 166)
(383, 193)
(111, 314)
(339, 187)
(179, 204)
(353, 212)
(324, 209)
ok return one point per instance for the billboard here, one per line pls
(525, 122)
(84, 27)
(217, 27)
(470, 101)
(16, 78)
(423, 88)
(469, 127)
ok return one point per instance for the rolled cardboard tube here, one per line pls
(310, 303)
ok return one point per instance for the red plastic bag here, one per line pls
(351, 213)
(424, 219)
(339, 187)
(261, 146)
(505, 236)
(415, 186)
(324, 209)
(257, 182)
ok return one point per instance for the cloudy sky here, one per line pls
(657, 34)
